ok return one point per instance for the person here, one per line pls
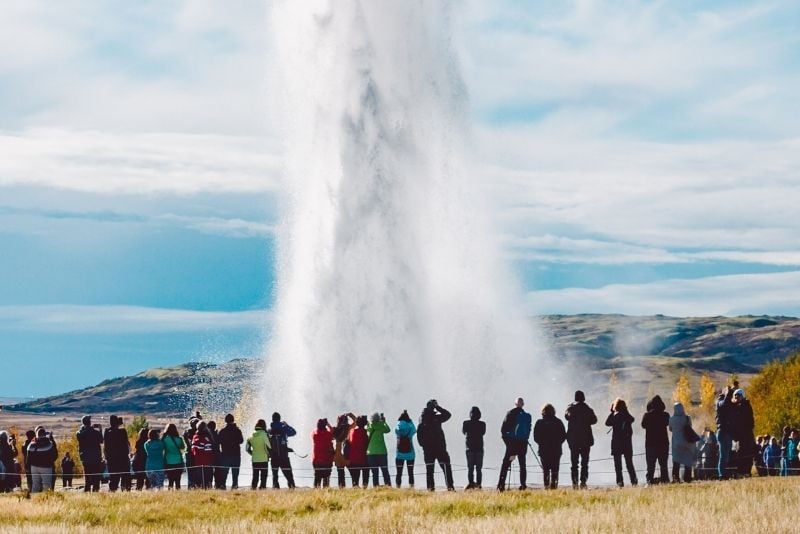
(791, 454)
(724, 420)
(188, 435)
(549, 434)
(89, 441)
(173, 456)
(621, 422)
(154, 465)
(140, 460)
(515, 431)
(683, 449)
(203, 456)
(656, 440)
(761, 444)
(344, 424)
(67, 470)
(474, 429)
(322, 453)
(742, 431)
(405, 453)
(430, 437)
(279, 434)
(42, 453)
(257, 447)
(30, 436)
(230, 443)
(580, 418)
(117, 451)
(8, 455)
(356, 452)
(772, 457)
(377, 455)
(217, 453)
(785, 437)
(709, 456)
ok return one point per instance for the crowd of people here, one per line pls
(357, 445)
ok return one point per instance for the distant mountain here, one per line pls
(644, 350)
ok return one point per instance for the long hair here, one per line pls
(171, 430)
(620, 406)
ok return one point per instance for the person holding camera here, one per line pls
(8, 453)
(322, 453)
(279, 434)
(117, 449)
(377, 455)
(42, 454)
(724, 419)
(434, 446)
(89, 441)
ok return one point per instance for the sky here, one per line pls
(638, 157)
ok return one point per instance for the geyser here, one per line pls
(391, 288)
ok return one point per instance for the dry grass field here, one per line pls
(756, 505)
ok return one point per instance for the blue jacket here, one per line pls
(772, 456)
(279, 434)
(406, 429)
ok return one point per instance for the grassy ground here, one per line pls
(761, 505)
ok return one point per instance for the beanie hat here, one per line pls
(579, 396)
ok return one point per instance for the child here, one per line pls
(67, 470)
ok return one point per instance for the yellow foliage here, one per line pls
(775, 396)
(683, 391)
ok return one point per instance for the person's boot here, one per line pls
(554, 484)
(546, 480)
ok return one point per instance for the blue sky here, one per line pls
(639, 157)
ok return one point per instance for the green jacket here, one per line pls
(375, 431)
(258, 446)
(173, 448)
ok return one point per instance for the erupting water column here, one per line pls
(390, 289)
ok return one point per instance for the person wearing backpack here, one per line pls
(356, 452)
(474, 429)
(515, 431)
(434, 446)
(279, 434)
(621, 423)
(344, 424)
(550, 434)
(257, 447)
(405, 455)
(322, 453)
(580, 418)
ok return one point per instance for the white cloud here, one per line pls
(777, 293)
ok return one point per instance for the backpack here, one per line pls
(422, 433)
(404, 444)
(522, 430)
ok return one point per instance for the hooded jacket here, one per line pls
(258, 446)
(429, 431)
(580, 418)
(406, 429)
(358, 446)
(655, 422)
(683, 452)
(375, 431)
(322, 451)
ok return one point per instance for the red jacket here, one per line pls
(202, 450)
(322, 453)
(358, 446)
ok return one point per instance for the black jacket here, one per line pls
(724, 415)
(116, 446)
(655, 423)
(549, 434)
(89, 441)
(42, 452)
(431, 436)
(474, 430)
(743, 421)
(580, 418)
(509, 424)
(621, 424)
(230, 440)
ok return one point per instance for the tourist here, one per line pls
(139, 462)
(257, 447)
(709, 456)
(67, 470)
(8, 456)
(173, 456)
(515, 431)
(344, 424)
(117, 452)
(405, 453)
(215, 469)
(580, 418)
(356, 452)
(203, 455)
(724, 419)
(42, 453)
(30, 436)
(322, 453)
(684, 451)
(434, 446)
(792, 453)
(743, 425)
(192, 474)
(772, 457)
(377, 455)
(279, 434)
(154, 465)
(230, 445)
(621, 423)
(89, 441)
(761, 443)
(474, 429)
(656, 440)
(549, 434)
(784, 443)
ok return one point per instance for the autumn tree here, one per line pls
(775, 395)
(683, 391)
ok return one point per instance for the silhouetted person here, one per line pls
(279, 434)
(42, 453)
(684, 451)
(8, 455)
(724, 419)
(656, 441)
(67, 470)
(30, 435)
(322, 453)
(139, 462)
(230, 445)
(474, 429)
(709, 456)
(405, 454)
(580, 418)
(515, 431)
(258, 448)
(192, 475)
(621, 423)
(89, 441)
(117, 451)
(344, 424)
(434, 446)
(549, 434)
(743, 425)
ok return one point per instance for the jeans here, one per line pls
(260, 472)
(156, 479)
(379, 461)
(653, 455)
(475, 468)
(443, 458)
(399, 465)
(92, 474)
(582, 453)
(725, 443)
(519, 449)
(629, 466)
(232, 464)
(41, 478)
